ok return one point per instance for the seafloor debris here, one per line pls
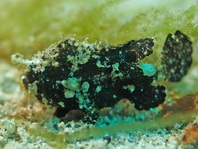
(185, 103)
(73, 75)
(176, 56)
(34, 112)
(124, 111)
(190, 134)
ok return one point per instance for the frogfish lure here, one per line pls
(73, 75)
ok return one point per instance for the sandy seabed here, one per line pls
(17, 116)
